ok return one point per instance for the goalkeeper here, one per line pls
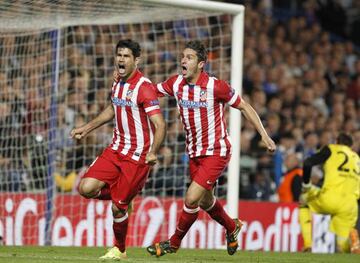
(338, 195)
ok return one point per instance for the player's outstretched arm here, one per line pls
(315, 159)
(105, 116)
(253, 117)
(159, 123)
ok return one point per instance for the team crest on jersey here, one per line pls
(203, 95)
(232, 92)
(129, 94)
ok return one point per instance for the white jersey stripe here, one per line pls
(185, 97)
(150, 132)
(162, 90)
(176, 88)
(152, 108)
(116, 133)
(233, 98)
(197, 121)
(211, 116)
(124, 123)
(137, 120)
(222, 141)
(146, 79)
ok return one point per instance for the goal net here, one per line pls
(56, 64)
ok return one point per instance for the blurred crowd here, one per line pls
(303, 82)
(305, 85)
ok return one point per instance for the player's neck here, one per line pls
(193, 79)
(124, 79)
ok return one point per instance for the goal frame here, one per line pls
(237, 33)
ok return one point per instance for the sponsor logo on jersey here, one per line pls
(122, 102)
(192, 104)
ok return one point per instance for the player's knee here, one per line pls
(205, 204)
(191, 200)
(87, 190)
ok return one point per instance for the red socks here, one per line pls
(190, 214)
(187, 218)
(217, 212)
(120, 226)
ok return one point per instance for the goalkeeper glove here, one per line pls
(305, 187)
(308, 193)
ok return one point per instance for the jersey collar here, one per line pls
(202, 80)
(135, 77)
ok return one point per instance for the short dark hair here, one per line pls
(130, 44)
(344, 139)
(199, 48)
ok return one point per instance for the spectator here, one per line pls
(353, 91)
(287, 145)
(260, 187)
(310, 145)
(290, 186)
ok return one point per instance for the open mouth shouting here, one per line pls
(121, 69)
(184, 70)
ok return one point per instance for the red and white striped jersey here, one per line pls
(201, 108)
(134, 101)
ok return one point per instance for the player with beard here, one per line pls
(120, 172)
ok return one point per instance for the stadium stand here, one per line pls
(303, 81)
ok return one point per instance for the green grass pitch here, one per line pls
(34, 254)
